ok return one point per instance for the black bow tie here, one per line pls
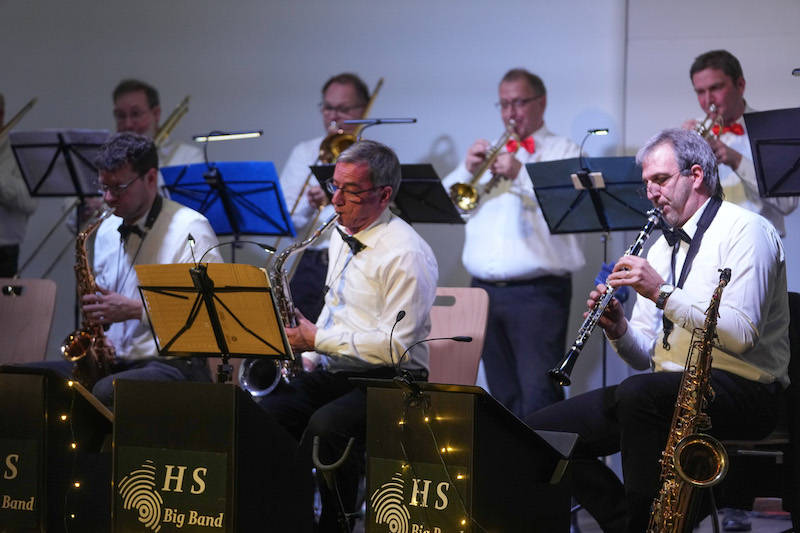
(354, 244)
(673, 235)
(125, 231)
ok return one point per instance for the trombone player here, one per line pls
(718, 82)
(510, 252)
(344, 97)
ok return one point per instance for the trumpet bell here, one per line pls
(465, 196)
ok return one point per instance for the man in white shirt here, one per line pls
(674, 285)
(378, 266)
(344, 97)
(144, 229)
(718, 80)
(16, 204)
(510, 252)
(137, 109)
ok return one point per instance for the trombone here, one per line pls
(163, 132)
(334, 143)
(16, 118)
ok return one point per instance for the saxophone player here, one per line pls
(145, 229)
(673, 284)
(378, 266)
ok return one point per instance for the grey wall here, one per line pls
(256, 64)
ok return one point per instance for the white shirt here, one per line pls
(741, 187)
(293, 176)
(165, 243)
(507, 237)
(397, 271)
(754, 311)
(16, 204)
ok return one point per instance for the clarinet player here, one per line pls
(673, 284)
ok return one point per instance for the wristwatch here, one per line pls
(663, 293)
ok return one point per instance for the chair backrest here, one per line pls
(457, 311)
(25, 319)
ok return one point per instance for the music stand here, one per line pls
(212, 310)
(604, 195)
(775, 144)
(237, 198)
(421, 197)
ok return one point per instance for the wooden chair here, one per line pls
(457, 311)
(26, 314)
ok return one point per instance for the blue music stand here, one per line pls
(238, 198)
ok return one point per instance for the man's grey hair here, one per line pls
(384, 167)
(690, 149)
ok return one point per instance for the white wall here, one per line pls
(257, 64)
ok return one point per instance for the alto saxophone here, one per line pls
(88, 347)
(691, 459)
(260, 376)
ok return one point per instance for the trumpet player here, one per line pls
(378, 267)
(719, 84)
(510, 252)
(344, 97)
(674, 284)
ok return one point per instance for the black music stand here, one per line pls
(590, 195)
(452, 458)
(212, 310)
(421, 197)
(238, 198)
(775, 144)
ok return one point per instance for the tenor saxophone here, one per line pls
(260, 376)
(691, 459)
(88, 347)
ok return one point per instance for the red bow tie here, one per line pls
(734, 128)
(512, 146)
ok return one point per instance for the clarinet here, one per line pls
(561, 375)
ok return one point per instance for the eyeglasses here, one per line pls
(135, 114)
(340, 109)
(517, 103)
(117, 190)
(658, 181)
(331, 188)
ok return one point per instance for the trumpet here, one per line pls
(706, 127)
(16, 118)
(466, 196)
(561, 375)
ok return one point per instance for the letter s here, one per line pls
(12, 461)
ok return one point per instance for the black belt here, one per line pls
(521, 282)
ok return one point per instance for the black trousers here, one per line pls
(525, 337)
(328, 405)
(9, 254)
(634, 418)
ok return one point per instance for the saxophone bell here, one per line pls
(260, 376)
(701, 460)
